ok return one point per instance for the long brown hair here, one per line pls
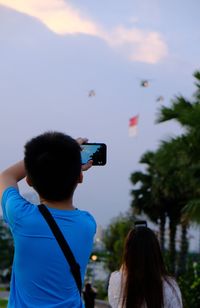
(143, 270)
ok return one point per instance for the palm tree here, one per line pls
(162, 190)
(187, 114)
(187, 164)
(177, 190)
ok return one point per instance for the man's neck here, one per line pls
(60, 205)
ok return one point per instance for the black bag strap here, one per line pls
(75, 267)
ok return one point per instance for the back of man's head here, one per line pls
(53, 165)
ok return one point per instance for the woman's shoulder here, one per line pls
(114, 289)
(116, 276)
(172, 293)
(170, 283)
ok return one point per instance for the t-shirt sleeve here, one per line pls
(172, 295)
(111, 299)
(14, 206)
(114, 289)
(176, 301)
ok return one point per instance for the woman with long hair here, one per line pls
(142, 281)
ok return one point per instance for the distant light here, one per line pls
(94, 257)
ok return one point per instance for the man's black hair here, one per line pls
(53, 164)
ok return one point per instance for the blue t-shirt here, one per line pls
(41, 276)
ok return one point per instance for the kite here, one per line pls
(160, 99)
(91, 93)
(144, 83)
(133, 122)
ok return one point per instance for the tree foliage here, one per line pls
(169, 186)
(114, 238)
(6, 251)
(187, 113)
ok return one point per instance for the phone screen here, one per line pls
(94, 151)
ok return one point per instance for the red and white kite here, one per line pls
(133, 122)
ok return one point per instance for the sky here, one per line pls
(53, 52)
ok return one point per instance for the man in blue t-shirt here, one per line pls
(41, 276)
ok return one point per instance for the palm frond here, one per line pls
(179, 111)
(138, 177)
(192, 210)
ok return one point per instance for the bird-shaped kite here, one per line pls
(91, 93)
(160, 98)
(144, 83)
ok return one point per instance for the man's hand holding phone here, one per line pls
(88, 165)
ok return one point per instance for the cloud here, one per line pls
(142, 46)
(57, 15)
(62, 19)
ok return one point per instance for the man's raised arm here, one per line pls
(11, 176)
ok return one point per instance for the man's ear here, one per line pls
(80, 180)
(28, 181)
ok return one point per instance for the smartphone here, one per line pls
(140, 223)
(95, 151)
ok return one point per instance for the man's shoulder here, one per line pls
(87, 216)
(86, 213)
(88, 222)
(9, 191)
(14, 206)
